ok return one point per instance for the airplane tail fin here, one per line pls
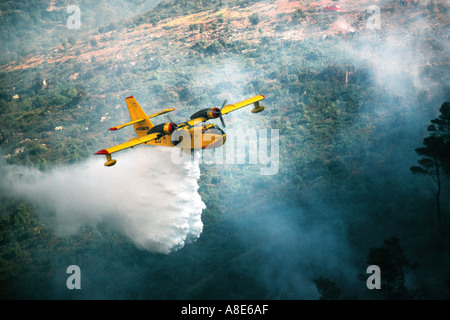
(136, 113)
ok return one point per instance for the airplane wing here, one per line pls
(189, 124)
(227, 109)
(255, 100)
(130, 144)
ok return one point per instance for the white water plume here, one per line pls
(144, 196)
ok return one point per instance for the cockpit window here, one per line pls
(213, 129)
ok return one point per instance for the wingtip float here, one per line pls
(212, 136)
(109, 161)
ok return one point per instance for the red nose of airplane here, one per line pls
(216, 112)
(172, 127)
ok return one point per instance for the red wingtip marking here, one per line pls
(112, 129)
(129, 97)
(102, 152)
(263, 96)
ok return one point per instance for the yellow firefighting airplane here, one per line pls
(211, 136)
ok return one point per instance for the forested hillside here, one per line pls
(351, 102)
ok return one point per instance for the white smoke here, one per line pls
(144, 196)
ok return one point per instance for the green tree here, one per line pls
(254, 18)
(298, 15)
(393, 264)
(441, 127)
(435, 153)
(200, 46)
(37, 83)
(194, 27)
(328, 289)
(214, 48)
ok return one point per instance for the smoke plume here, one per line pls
(144, 196)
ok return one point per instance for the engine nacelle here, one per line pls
(210, 113)
(164, 128)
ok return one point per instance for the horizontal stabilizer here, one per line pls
(140, 120)
(161, 112)
(125, 125)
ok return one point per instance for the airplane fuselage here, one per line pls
(194, 137)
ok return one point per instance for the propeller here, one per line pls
(168, 118)
(221, 118)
